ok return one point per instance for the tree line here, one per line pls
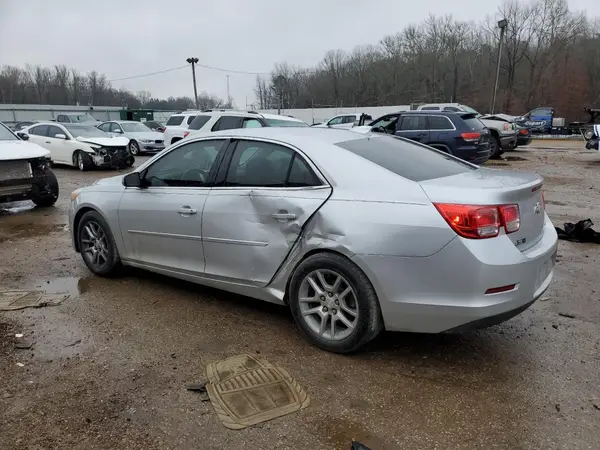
(60, 85)
(550, 57)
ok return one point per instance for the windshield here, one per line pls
(285, 123)
(85, 131)
(6, 134)
(82, 118)
(134, 127)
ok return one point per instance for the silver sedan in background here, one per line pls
(355, 233)
(142, 139)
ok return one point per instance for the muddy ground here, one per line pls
(107, 369)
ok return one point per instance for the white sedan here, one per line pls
(80, 145)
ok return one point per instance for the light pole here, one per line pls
(228, 96)
(502, 24)
(193, 61)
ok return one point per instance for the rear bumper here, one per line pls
(508, 142)
(475, 154)
(446, 291)
(524, 140)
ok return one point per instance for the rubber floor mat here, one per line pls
(245, 391)
(13, 300)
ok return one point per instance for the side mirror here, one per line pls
(132, 179)
(23, 136)
(60, 136)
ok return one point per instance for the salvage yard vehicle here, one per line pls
(460, 134)
(593, 142)
(79, 145)
(25, 172)
(421, 241)
(141, 139)
(86, 118)
(524, 132)
(347, 121)
(503, 134)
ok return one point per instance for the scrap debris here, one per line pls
(11, 300)
(581, 231)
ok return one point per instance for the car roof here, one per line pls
(280, 117)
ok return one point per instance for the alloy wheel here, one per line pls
(328, 304)
(133, 148)
(80, 163)
(94, 244)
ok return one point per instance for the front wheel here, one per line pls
(46, 192)
(134, 148)
(97, 245)
(83, 161)
(334, 303)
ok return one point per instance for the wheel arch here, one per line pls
(77, 220)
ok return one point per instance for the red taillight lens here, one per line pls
(524, 132)
(507, 126)
(480, 222)
(511, 218)
(471, 137)
(185, 134)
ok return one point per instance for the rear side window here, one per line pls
(40, 130)
(473, 122)
(413, 123)
(174, 120)
(190, 119)
(440, 123)
(199, 122)
(228, 123)
(405, 158)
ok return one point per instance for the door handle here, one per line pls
(283, 216)
(187, 211)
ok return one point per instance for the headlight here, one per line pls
(145, 141)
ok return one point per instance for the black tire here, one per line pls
(83, 161)
(495, 148)
(129, 161)
(369, 321)
(134, 147)
(107, 265)
(46, 193)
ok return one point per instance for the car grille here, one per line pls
(113, 150)
(158, 141)
(13, 170)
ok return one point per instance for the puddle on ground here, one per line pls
(68, 285)
(25, 230)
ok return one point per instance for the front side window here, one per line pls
(114, 128)
(350, 119)
(105, 127)
(440, 123)
(62, 118)
(186, 166)
(263, 164)
(386, 121)
(413, 123)
(336, 120)
(53, 130)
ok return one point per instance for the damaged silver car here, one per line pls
(355, 233)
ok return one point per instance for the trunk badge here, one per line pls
(537, 208)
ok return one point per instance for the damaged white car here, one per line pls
(25, 172)
(80, 145)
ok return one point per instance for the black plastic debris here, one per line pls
(358, 446)
(200, 388)
(581, 231)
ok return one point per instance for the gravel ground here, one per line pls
(109, 366)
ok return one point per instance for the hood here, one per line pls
(147, 135)
(105, 141)
(110, 181)
(363, 129)
(13, 150)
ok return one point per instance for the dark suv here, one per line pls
(461, 134)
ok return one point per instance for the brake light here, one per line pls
(524, 131)
(480, 222)
(470, 137)
(185, 134)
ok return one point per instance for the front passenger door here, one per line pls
(161, 223)
(414, 127)
(256, 210)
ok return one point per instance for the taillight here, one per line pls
(507, 126)
(480, 222)
(470, 137)
(524, 132)
(185, 134)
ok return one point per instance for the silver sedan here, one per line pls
(355, 233)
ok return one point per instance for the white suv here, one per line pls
(177, 125)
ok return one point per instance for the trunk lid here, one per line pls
(489, 187)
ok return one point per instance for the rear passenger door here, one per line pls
(414, 127)
(228, 123)
(263, 195)
(442, 132)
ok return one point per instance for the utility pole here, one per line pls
(193, 61)
(228, 96)
(502, 24)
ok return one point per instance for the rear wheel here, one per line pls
(495, 149)
(45, 193)
(97, 245)
(334, 303)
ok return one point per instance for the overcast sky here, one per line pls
(123, 38)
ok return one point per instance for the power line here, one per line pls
(245, 72)
(149, 74)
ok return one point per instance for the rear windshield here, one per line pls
(198, 122)
(410, 160)
(175, 120)
(473, 122)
